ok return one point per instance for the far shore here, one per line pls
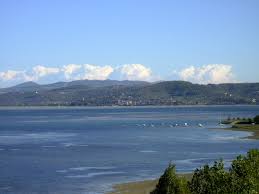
(117, 106)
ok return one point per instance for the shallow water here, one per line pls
(86, 150)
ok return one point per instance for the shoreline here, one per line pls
(136, 187)
(254, 129)
(117, 106)
(254, 135)
(140, 187)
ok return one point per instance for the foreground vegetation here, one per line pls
(241, 178)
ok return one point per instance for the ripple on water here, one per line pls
(147, 151)
(93, 174)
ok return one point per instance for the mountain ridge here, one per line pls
(128, 93)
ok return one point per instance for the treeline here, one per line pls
(241, 178)
(239, 120)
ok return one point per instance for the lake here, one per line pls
(77, 150)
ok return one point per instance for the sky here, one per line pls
(193, 40)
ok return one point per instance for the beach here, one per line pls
(141, 187)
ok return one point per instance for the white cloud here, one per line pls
(70, 69)
(94, 72)
(87, 71)
(67, 72)
(187, 73)
(10, 75)
(38, 72)
(136, 72)
(212, 73)
(41, 71)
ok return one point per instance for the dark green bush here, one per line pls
(210, 180)
(245, 173)
(169, 183)
(256, 119)
(242, 178)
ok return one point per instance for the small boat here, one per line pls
(200, 125)
(185, 124)
(220, 121)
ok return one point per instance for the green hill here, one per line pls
(112, 92)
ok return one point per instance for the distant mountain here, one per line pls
(32, 86)
(24, 87)
(113, 93)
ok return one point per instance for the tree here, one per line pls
(245, 173)
(210, 180)
(256, 119)
(169, 183)
(242, 178)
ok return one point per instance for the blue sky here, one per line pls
(195, 40)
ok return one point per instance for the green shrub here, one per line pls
(245, 173)
(210, 180)
(242, 178)
(256, 119)
(169, 183)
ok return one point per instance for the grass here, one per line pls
(141, 187)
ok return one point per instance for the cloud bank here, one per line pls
(11, 75)
(211, 73)
(135, 72)
(94, 72)
(70, 70)
(80, 72)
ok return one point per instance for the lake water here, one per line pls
(86, 150)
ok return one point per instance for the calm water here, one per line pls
(86, 150)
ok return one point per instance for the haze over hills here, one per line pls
(128, 93)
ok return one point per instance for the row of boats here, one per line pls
(168, 125)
